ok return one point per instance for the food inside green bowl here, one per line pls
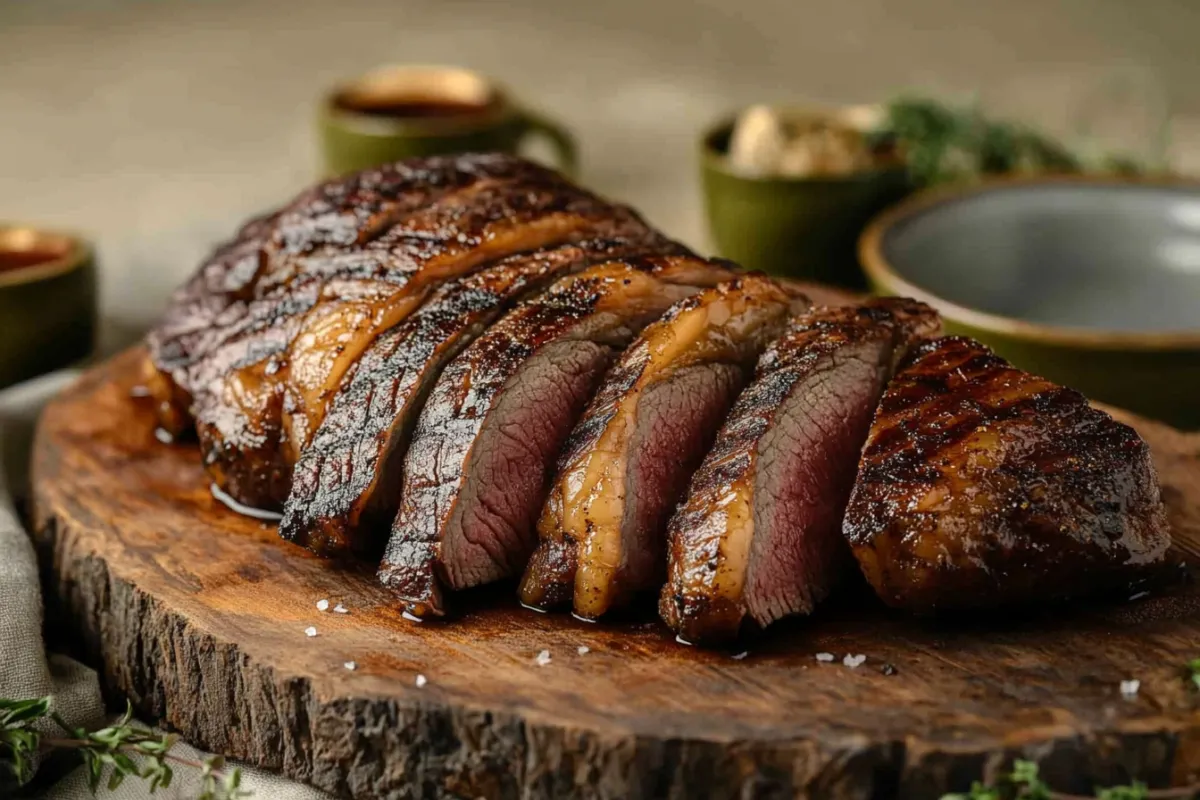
(938, 143)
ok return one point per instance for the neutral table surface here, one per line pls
(155, 126)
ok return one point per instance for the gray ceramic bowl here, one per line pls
(1094, 283)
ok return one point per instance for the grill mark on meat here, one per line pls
(341, 213)
(494, 222)
(475, 472)
(196, 309)
(334, 333)
(983, 485)
(602, 526)
(346, 484)
(759, 533)
(345, 297)
(227, 275)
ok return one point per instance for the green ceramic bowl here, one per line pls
(803, 228)
(1094, 283)
(47, 301)
(402, 112)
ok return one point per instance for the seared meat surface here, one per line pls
(485, 446)
(620, 474)
(758, 536)
(982, 485)
(218, 303)
(346, 484)
(258, 358)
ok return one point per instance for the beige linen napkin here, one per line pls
(26, 670)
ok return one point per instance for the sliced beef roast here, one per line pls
(485, 445)
(982, 485)
(629, 458)
(345, 213)
(759, 534)
(454, 236)
(346, 484)
(262, 390)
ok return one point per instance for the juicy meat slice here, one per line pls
(263, 390)
(345, 486)
(629, 457)
(982, 485)
(476, 471)
(759, 533)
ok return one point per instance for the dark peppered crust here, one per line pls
(982, 485)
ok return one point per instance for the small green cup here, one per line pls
(47, 301)
(406, 111)
(803, 228)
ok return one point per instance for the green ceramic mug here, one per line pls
(405, 111)
(804, 228)
(47, 301)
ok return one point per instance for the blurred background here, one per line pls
(155, 126)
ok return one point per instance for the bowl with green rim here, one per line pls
(47, 301)
(1093, 282)
(803, 227)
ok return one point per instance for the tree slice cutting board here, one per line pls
(199, 614)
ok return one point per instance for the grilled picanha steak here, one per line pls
(982, 485)
(485, 445)
(259, 357)
(346, 484)
(218, 303)
(628, 459)
(758, 536)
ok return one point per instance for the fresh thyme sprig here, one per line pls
(1193, 669)
(110, 751)
(1023, 783)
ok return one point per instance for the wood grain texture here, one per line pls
(198, 614)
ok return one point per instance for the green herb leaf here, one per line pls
(941, 143)
(1193, 668)
(1137, 791)
(111, 750)
(19, 712)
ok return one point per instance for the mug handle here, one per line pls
(559, 137)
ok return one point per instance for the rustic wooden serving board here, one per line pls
(198, 615)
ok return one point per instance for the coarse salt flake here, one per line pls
(543, 658)
(341, 609)
(1129, 689)
(824, 656)
(854, 661)
(421, 681)
(583, 650)
(310, 631)
(741, 655)
(322, 605)
(351, 665)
